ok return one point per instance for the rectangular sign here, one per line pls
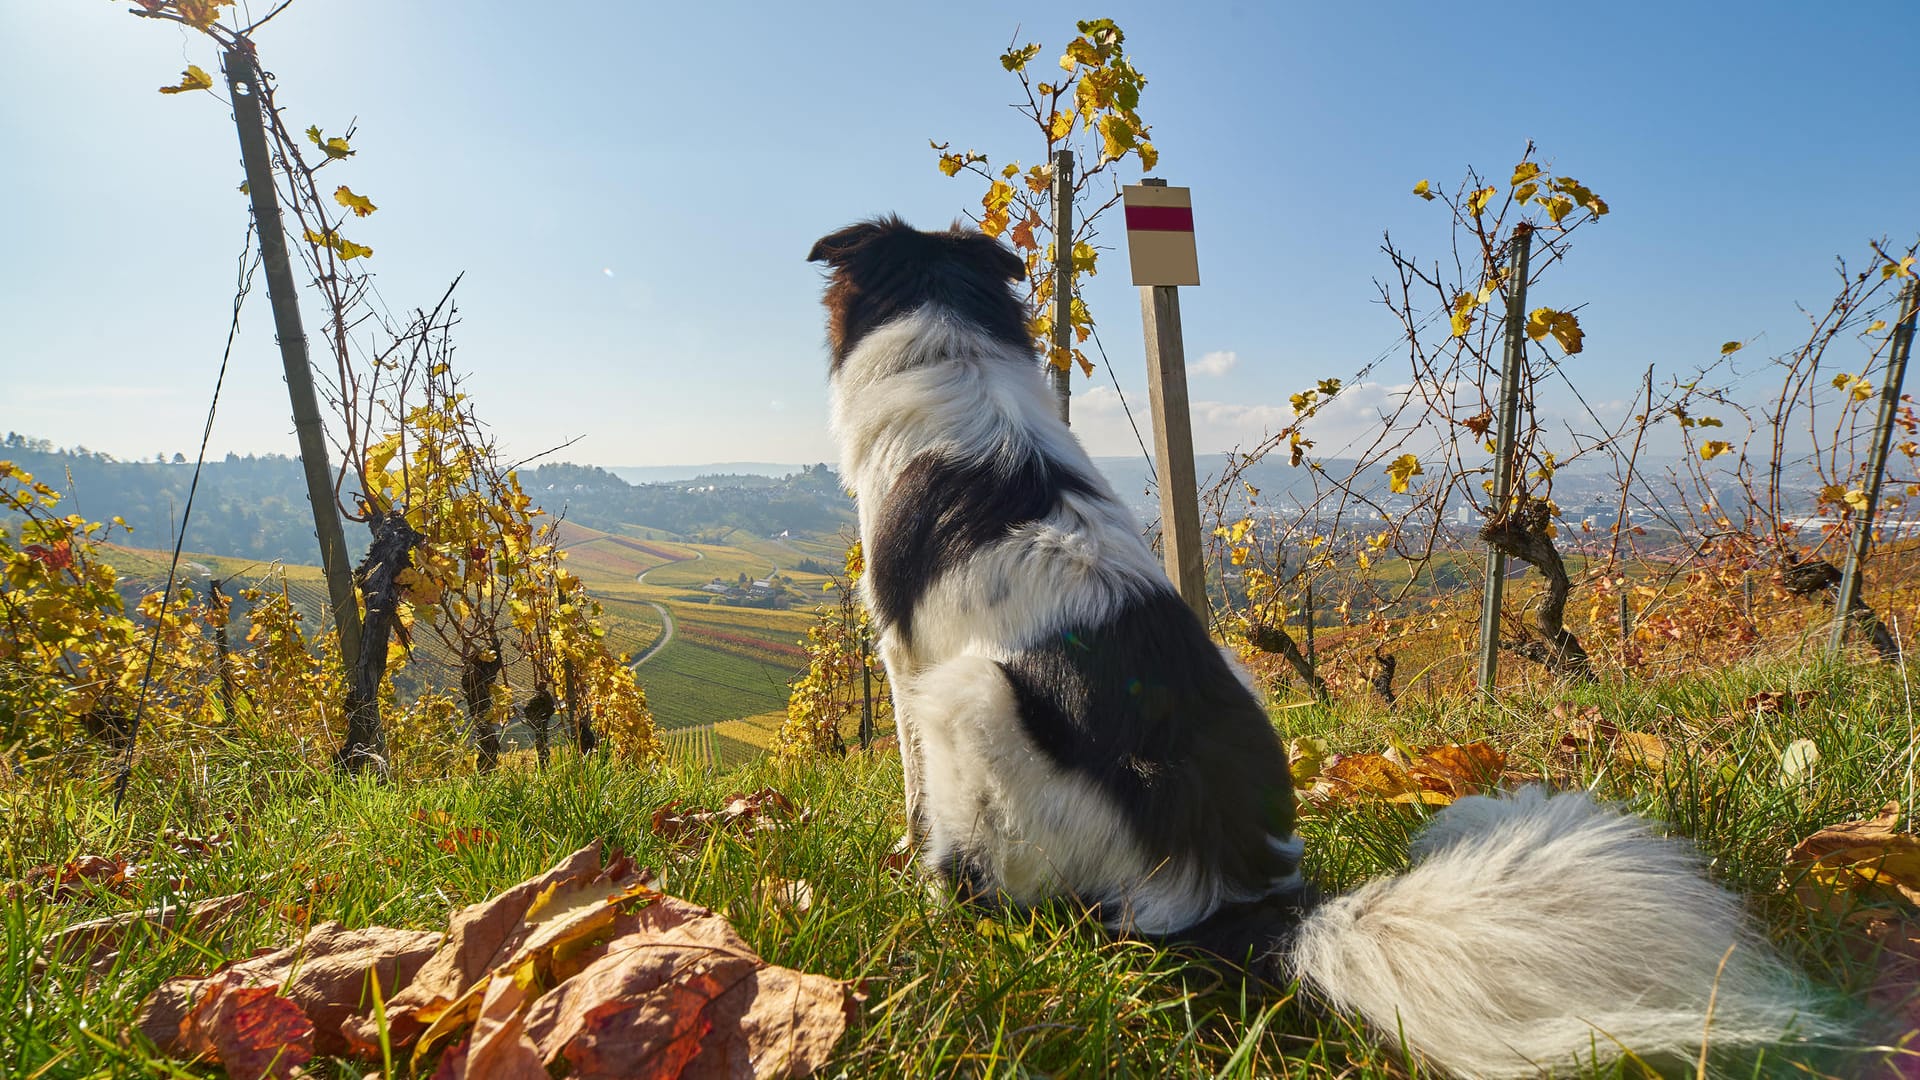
(1160, 235)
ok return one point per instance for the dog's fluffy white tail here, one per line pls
(1535, 931)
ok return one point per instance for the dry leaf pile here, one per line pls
(585, 965)
(1432, 776)
(453, 838)
(1588, 731)
(765, 810)
(85, 874)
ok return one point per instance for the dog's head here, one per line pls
(884, 268)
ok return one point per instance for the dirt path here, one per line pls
(666, 617)
(666, 635)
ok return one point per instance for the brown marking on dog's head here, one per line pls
(884, 268)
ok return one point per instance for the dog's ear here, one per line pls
(836, 248)
(995, 256)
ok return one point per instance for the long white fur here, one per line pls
(1534, 930)
(1531, 929)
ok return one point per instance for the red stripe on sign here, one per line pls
(1160, 218)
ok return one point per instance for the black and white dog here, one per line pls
(1068, 729)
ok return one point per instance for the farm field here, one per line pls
(689, 684)
(723, 664)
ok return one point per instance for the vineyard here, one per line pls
(1507, 488)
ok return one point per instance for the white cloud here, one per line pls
(1348, 424)
(1215, 363)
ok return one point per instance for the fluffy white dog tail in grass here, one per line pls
(1536, 931)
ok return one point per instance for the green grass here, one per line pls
(949, 991)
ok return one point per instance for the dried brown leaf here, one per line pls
(1347, 776)
(764, 810)
(1641, 749)
(1777, 701)
(458, 839)
(680, 994)
(567, 919)
(80, 876)
(96, 941)
(327, 976)
(1459, 770)
(1844, 866)
(249, 1030)
(499, 1046)
(479, 937)
(794, 897)
(585, 967)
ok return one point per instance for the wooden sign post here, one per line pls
(1161, 248)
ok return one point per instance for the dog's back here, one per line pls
(1078, 733)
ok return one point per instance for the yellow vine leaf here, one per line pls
(1079, 51)
(1060, 124)
(1903, 268)
(1732, 347)
(1876, 326)
(1713, 449)
(1524, 172)
(1117, 137)
(335, 148)
(1401, 471)
(190, 80)
(359, 204)
(1558, 207)
(1563, 325)
(1424, 190)
(1463, 306)
(340, 245)
(996, 201)
(1857, 500)
(1524, 192)
(201, 14)
(1477, 202)
(1016, 59)
(1856, 386)
(1581, 195)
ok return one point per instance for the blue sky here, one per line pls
(697, 150)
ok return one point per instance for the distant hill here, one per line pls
(252, 507)
(255, 507)
(663, 474)
(808, 501)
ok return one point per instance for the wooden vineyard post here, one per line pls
(1161, 247)
(1515, 357)
(363, 742)
(1848, 599)
(1061, 374)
